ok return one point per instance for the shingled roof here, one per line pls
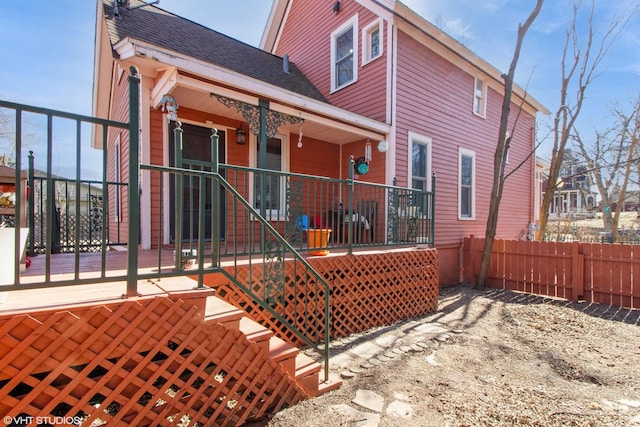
(158, 27)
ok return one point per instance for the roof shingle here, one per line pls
(155, 26)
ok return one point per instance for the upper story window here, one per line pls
(479, 97)
(466, 184)
(344, 54)
(372, 41)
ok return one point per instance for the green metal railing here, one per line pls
(197, 240)
(358, 214)
(21, 132)
(227, 219)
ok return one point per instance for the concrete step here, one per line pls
(256, 333)
(305, 370)
(219, 311)
(283, 353)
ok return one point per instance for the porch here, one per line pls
(215, 234)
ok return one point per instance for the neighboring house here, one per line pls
(443, 103)
(575, 197)
(339, 78)
(542, 175)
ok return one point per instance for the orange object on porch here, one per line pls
(318, 238)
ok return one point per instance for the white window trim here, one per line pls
(467, 153)
(482, 98)
(424, 140)
(351, 23)
(366, 41)
(286, 161)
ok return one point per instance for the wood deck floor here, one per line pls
(62, 267)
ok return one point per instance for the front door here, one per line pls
(196, 154)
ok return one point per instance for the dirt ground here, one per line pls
(491, 358)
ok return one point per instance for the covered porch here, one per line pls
(208, 223)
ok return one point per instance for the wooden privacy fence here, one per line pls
(594, 272)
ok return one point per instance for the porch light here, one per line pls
(241, 136)
(170, 105)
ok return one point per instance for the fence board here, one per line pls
(596, 272)
(624, 287)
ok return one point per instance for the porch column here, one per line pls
(263, 106)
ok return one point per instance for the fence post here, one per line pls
(465, 255)
(433, 210)
(134, 183)
(577, 274)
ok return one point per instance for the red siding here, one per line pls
(157, 158)
(120, 112)
(307, 40)
(434, 99)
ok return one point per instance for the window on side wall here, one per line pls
(479, 97)
(466, 184)
(372, 41)
(274, 184)
(420, 169)
(344, 54)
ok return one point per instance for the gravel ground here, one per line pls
(491, 358)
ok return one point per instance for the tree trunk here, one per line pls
(499, 157)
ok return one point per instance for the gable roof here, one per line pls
(417, 27)
(158, 27)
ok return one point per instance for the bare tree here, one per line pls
(579, 66)
(613, 159)
(7, 148)
(500, 155)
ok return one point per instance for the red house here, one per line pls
(368, 80)
(441, 101)
(241, 168)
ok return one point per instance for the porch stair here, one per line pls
(305, 370)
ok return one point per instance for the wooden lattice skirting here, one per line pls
(139, 362)
(367, 290)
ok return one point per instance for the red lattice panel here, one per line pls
(367, 290)
(140, 362)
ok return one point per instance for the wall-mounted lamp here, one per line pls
(241, 136)
(170, 106)
(336, 7)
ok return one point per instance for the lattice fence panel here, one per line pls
(366, 291)
(379, 289)
(147, 362)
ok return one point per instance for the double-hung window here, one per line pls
(479, 97)
(269, 188)
(466, 184)
(372, 41)
(344, 54)
(420, 168)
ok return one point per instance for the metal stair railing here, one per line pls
(273, 294)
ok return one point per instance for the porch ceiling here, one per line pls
(314, 126)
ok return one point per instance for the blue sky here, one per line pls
(46, 54)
